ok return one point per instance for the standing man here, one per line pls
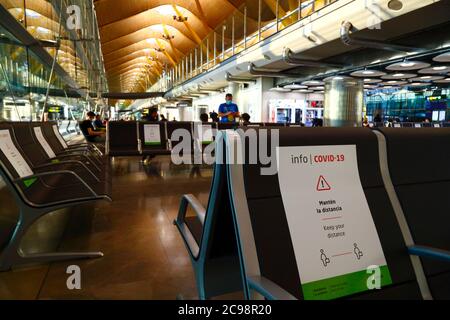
(214, 116)
(228, 111)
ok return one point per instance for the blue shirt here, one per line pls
(225, 108)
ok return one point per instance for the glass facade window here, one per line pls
(25, 79)
(410, 106)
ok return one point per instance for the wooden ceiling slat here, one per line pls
(125, 27)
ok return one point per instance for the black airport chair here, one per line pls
(123, 139)
(418, 163)
(265, 246)
(37, 194)
(174, 126)
(210, 238)
(60, 146)
(42, 158)
(154, 147)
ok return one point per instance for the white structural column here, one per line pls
(344, 99)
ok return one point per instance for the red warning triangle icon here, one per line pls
(323, 185)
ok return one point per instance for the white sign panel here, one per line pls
(332, 230)
(13, 155)
(152, 135)
(60, 138)
(48, 150)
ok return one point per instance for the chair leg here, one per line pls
(12, 255)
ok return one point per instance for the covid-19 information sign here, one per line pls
(333, 233)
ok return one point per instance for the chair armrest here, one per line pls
(49, 165)
(96, 149)
(180, 222)
(61, 172)
(71, 158)
(93, 161)
(430, 252)
(268, 289)
(189, 199)
(76, 148)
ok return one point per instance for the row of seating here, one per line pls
(131, 138)
(45, 174)
(412, 125)
(69, 127)
(155, 138)
(242, 240)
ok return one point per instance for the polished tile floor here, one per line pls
(145, 257)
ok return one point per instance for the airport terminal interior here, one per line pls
(224, 150)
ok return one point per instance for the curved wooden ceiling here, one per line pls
(141, 37)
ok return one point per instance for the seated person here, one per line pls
(98, 123)
(204, 118)
(246, 118)
(317, 122)
(152, 115)
(89, 131)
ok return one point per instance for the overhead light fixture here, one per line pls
(313, 83)
(369, 81)
(180, 18)
(398, 76)
(419, 84)
(407, 65)
(435, 70)
(426, 78)
(447, 80)
(394, 83)
(367, 73)
(279, 89)
(445, 57)
(168, 37)
(295, 86)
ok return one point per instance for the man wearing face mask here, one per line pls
(228, 111)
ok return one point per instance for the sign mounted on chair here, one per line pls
(331, 226)
(152, 135)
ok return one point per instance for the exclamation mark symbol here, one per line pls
(323, 185)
